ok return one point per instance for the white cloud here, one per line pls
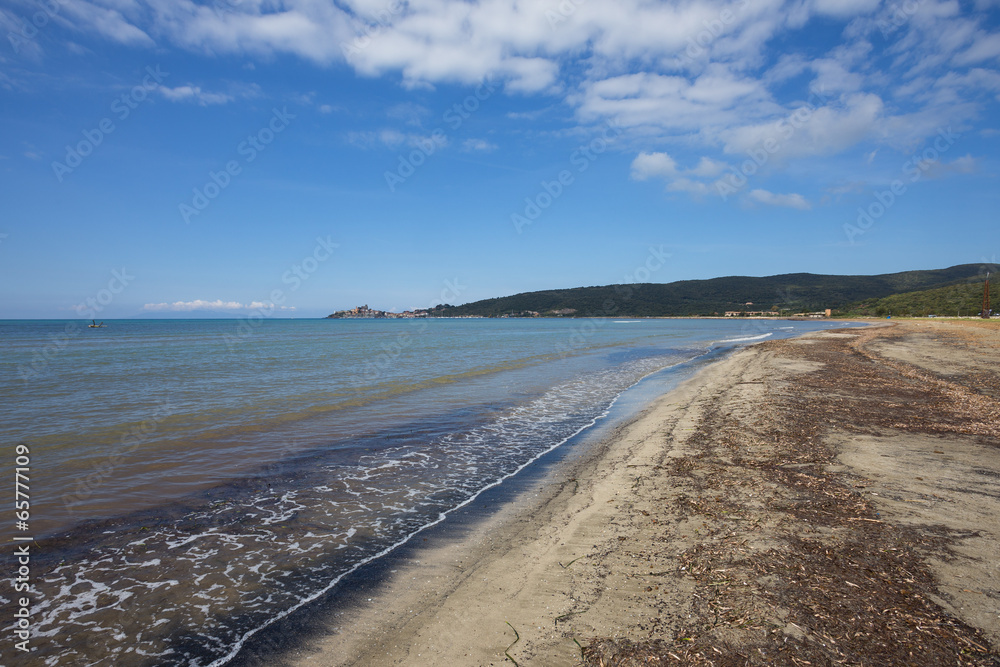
(646, 165)
(437, 41)
(528, 115)
(218, 304)
(198, 304)
(984, 47)
(194, 94)
(661, 165)
(811, 131)
(431, 41)
(108, 22)
(963, 165)
(709, 168)
(695, 188)
(789, 66)
(409, 113)
(310, 29)
(15, 29)
(427, 142)
(718, 97)
(702, 74)
(832, 77)
(480, 145)
(769, 198)
(394, 139)
(845, 8)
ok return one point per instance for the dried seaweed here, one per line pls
(829, 581)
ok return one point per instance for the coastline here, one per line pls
(337, 493)
(758, 509)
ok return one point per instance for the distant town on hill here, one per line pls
(366, 313)
(957, 290)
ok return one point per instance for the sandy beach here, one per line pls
(830, 499)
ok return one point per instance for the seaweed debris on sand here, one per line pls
(829, 499)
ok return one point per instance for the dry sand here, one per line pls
(833, 499)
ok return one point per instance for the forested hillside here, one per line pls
(789, 293)
(960, 299)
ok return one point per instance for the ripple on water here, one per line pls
(190, 587)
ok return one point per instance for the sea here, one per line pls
(175, 488)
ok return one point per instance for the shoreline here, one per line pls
(358, 633)
(614, 551)
(234, 562)
(494, 506)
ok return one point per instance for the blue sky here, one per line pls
(167, 157)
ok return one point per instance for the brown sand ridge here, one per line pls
(831, 499)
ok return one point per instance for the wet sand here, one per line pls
(832, 499)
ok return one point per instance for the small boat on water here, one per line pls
(94, 325)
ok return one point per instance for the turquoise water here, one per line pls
(192, 480)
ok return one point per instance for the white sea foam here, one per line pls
(242, 555)
(224, 572)
(745, 339)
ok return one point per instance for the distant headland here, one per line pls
(956, 291)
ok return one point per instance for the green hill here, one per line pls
(963, 298)
(793, 292)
